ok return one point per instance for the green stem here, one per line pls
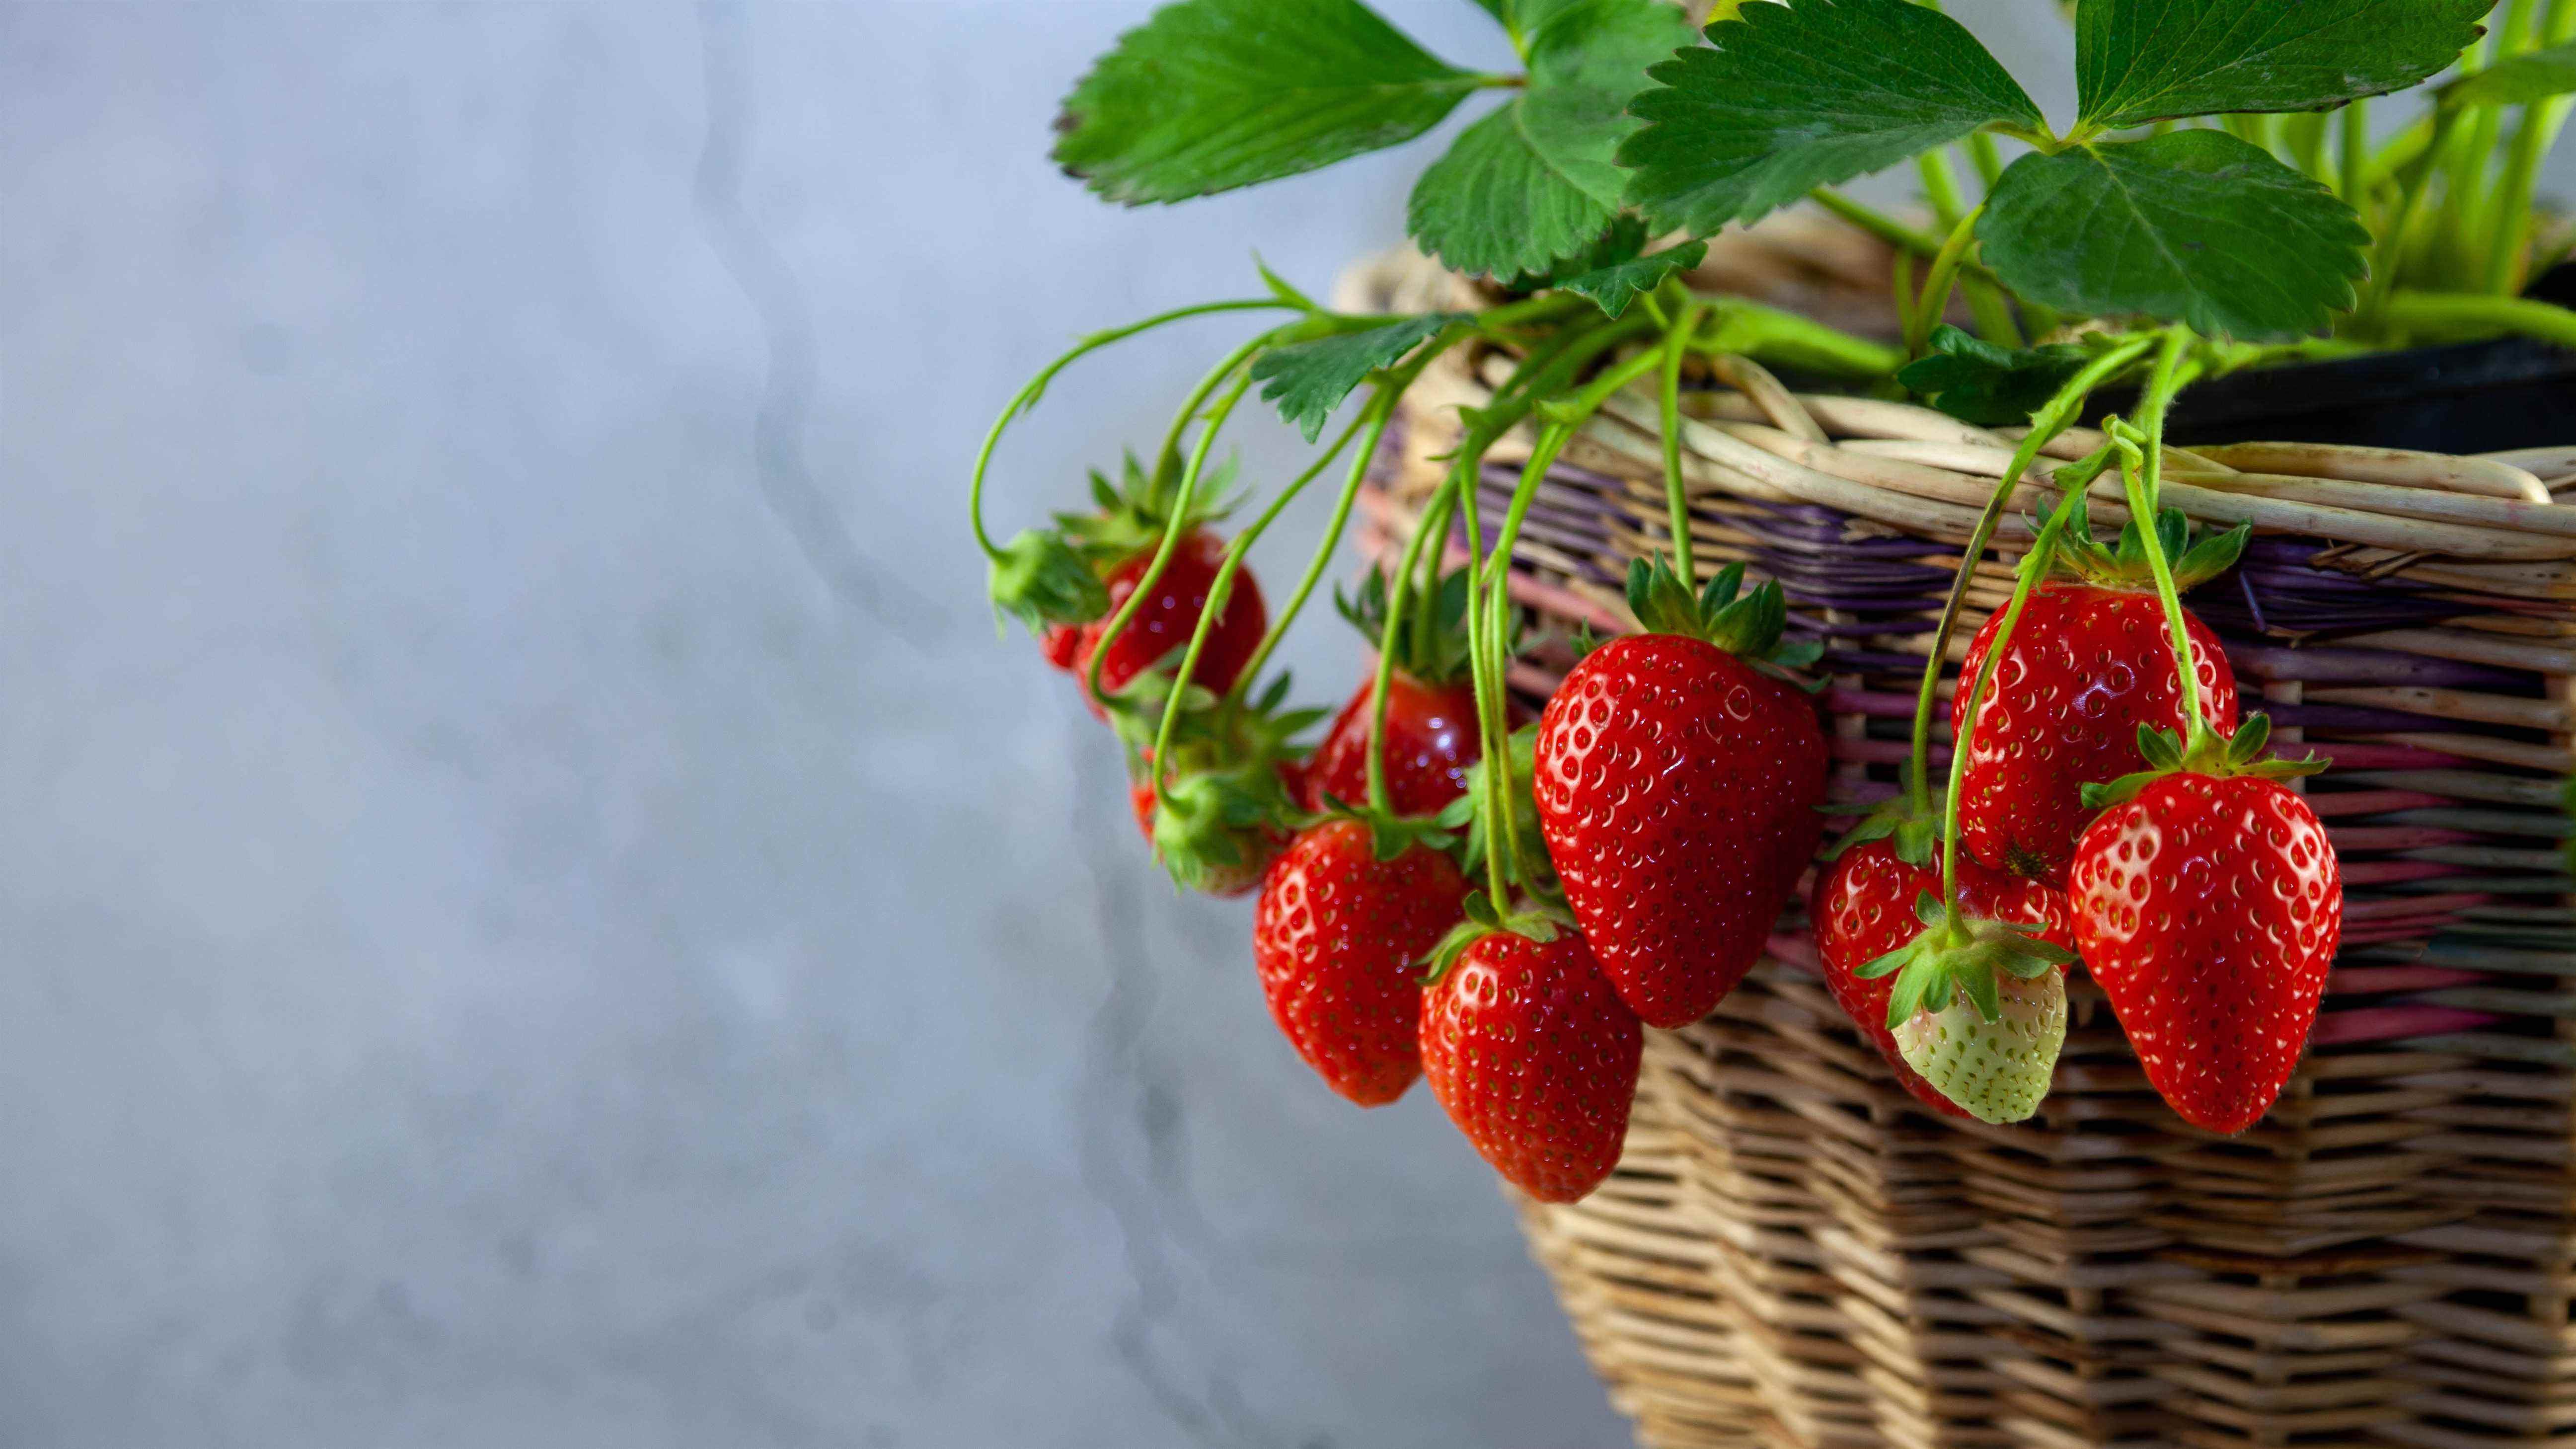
(2074, 479)
(1037, 386)
(1170, 449)
(2469, 312)
(1771, 335)
(1676, 497)
(2353, 177)
(1940, 185)
(1988, 160)
(2145, 487)
(2510, 238)
(1374, 417)
(2045, 424)
(1877, 223)
(1495, 575)
(1433, 525)
(2389, 255)
(1938, 281)
(1174, 525)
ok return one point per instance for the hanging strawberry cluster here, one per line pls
(1451, 890)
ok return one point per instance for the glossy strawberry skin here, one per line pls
(1165, 621)
(1534, 1057)
(2086, 667)
(1863, 908)
(1431, 739)
(1339, 938)
(2209, 909)
(1677, 788)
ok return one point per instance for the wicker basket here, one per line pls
(1794, 1254)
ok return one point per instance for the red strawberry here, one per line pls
(1431, 739)
(1864, 908)
(1431, 730)
(1532, 1055)
(1164, 622)
(2209, 907)
(1339, 938)
(1677, 787)
(2086, 668)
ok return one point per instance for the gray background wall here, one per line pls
(537, 911)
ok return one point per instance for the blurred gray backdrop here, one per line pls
(537, 910)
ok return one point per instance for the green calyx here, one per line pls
(2126, 565)
(1390, 835)
(2206, 753)
(1963, 958)
(1041, 579)
(1212, 820)
(1057, 576)
(1746, 625)
(1533, 920)
(1907, 821)
(1218, 791)
(1432, 645)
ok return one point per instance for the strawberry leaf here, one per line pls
(1613, 287)
(2150, 60)
(1978, 382)
(1309, 379)
(1536, 181)
(2193, 226)
(1209, 95)
(1790, 97)
(2520, 80)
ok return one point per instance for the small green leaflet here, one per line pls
(1213, 94)
(1794, 96)
(1536, 181)
(1977, 382)
(2531, 76)
(1309, 379)
(1615, 286)
(2193, 226)
(2150, 60)
(1624, 241)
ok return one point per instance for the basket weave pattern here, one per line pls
(1793, 1253)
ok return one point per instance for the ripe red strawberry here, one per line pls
(1533, 1056)
(1164, 622)
(1431, 740)
(2209, 908)
(1677, 787)
(1431, 733)
(2086, 668)
(1863, 909)
(1339, 938)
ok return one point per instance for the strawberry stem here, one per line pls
(1037, 386)
(1434, 524)
(1176, 521)
(2144, 484)
(2045, 424)
(1375, 416)
(1676, 498)
(2072, 480)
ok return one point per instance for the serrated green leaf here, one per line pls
(1978, 382)
(1613, 287)
(2150, 60)
(1309, 379)
(1537, 180)
(2520, 80)
(2193, 226)
(1623, 241)
(1209, 95)
(1791, 97)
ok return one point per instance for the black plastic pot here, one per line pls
(2476, 397)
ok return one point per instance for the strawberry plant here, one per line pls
(2223, 199)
